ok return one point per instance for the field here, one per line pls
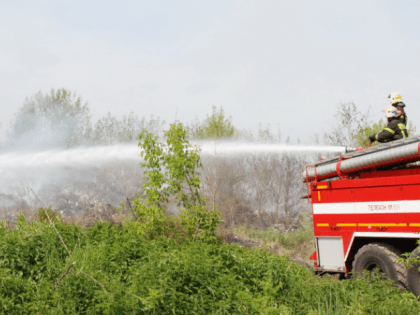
(113, 269)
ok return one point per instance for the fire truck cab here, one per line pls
(366, 211)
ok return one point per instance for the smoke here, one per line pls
(2, 132)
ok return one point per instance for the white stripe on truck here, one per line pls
(401, 206)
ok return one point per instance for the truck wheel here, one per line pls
(414, 276)
(383, 257)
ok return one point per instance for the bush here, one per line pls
(171, 172)
(116, 270)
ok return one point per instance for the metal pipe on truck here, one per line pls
(393, 153)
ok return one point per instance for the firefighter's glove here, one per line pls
(372, 138)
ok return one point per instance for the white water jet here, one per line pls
(103, 172)
(85, 156)
(238, 148)
(71, 157)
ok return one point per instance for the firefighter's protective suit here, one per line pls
(400, 107)
(395, 129)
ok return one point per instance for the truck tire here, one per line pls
(414, 276)
(383, 257)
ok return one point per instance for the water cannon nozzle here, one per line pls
(352, 149)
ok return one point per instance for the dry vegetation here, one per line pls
(258, 191)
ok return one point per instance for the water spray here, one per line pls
(98, 155)
(71, 157)
(81, 172)
(235, 148)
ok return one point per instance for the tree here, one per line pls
(56, 119)
(217, 125)
(348, 122)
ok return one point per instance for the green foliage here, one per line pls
(162, 276)
(171, 171)
(410, 260)
(362, 134)
(411, 129)
(151, 218)
(215, 126)
(200, 223)
(43, 215)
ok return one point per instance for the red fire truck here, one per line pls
(366, 210)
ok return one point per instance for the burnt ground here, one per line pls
(234, 239)
(231, 238)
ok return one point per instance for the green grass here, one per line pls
(117, 271)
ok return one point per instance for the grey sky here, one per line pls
(269, 62)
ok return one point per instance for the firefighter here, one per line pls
(396, 101)
(395, 129)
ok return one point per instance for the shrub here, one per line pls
(130, 274)
(171, 172)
